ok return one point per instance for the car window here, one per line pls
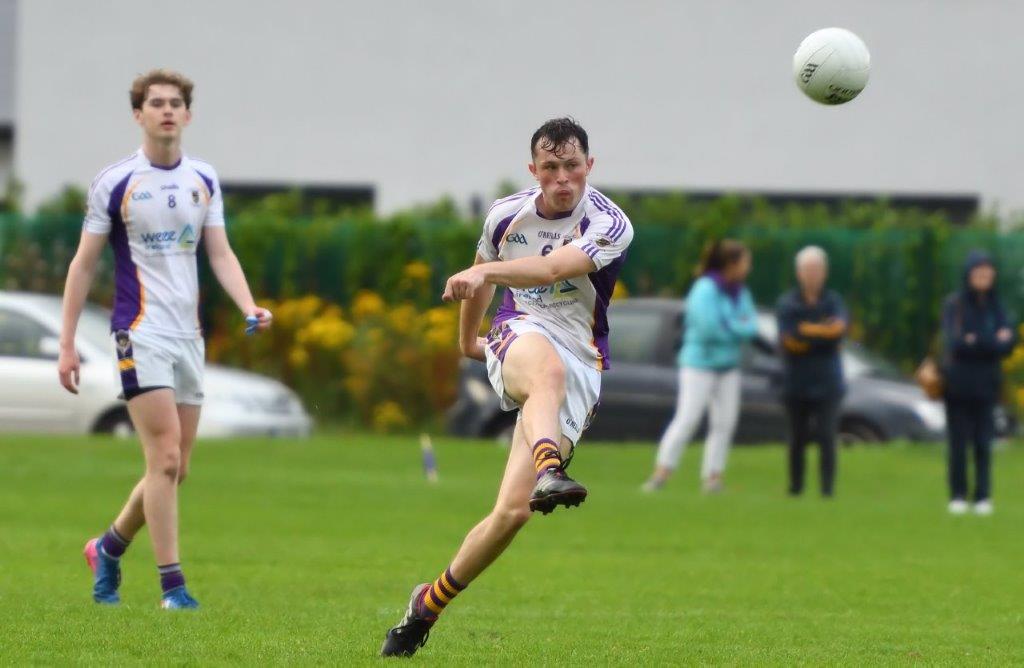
(767, 326)
(635, 335)
(94, 326)
(859, 362)
(20, 336)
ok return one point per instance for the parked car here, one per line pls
(638, 393)
(32, 400)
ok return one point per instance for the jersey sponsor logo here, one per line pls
(195, 197)
(159, 237)
(166, 239)
(537, 293)
(169, 186)
(141, 195)
(544, 234)
(566, 287)
(517, 238)
(187, 239)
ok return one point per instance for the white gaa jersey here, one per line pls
(155, 218)
(574, 311)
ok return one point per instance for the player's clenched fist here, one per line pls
(463, 285)
(69, 368)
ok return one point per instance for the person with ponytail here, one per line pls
(720, 317)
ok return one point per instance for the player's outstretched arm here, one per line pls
(471, 314)
(229, 274)
(81, 272)
(526, 272)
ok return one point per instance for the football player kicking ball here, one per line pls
(557, 248)
(154, 207)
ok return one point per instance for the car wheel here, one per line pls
(116, 423)
(855, 432)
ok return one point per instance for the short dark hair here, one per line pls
(557, 134)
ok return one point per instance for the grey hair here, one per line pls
(811, 253)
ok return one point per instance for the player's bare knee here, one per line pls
(165, 461)
(182, 473)
(510, 519)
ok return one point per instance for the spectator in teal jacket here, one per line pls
(720, 318)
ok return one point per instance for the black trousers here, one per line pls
(812, 420)
(970, 423)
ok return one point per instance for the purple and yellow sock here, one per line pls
(171, 577)
(545, 456)
(440, 593)
(113, 544)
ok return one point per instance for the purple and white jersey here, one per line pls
(155, 218)
(574, 311)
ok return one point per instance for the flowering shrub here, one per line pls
(391, 366)
(1013, 370)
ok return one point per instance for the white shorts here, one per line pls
(582, 382)
(147, 362)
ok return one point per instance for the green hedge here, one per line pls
(892, 266)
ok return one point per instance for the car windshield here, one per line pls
(767, 327)
(94, 326)
(858, 362)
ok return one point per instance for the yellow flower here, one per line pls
(367, 304)
(327, 332)
(388, 415)
(416, 271)
(403, 319)
(298, 357)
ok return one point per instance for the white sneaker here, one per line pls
(983, 508)
(958, 507)
(652, 485)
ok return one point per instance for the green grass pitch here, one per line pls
(305, 552)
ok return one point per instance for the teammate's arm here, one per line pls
(526, 272)
(81, 272)
(471, 314)
(229, 274)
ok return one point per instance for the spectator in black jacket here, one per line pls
(812, 321)
(977, 335)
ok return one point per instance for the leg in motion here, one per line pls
(723, 412)
(691, 401)
(482, 545)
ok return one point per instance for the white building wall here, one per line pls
(425, 98)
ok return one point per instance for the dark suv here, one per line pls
(638, 393)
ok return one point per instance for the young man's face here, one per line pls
(562, 177)
(163, 115)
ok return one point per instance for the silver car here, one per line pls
(237, 403)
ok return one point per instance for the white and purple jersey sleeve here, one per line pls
(608, 233)
(499, 219)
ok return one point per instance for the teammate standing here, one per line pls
(558, 248)
(154, 207)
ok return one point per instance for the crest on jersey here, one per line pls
(187, 238)
(602, 241)
(195, 197)
(124, 343)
